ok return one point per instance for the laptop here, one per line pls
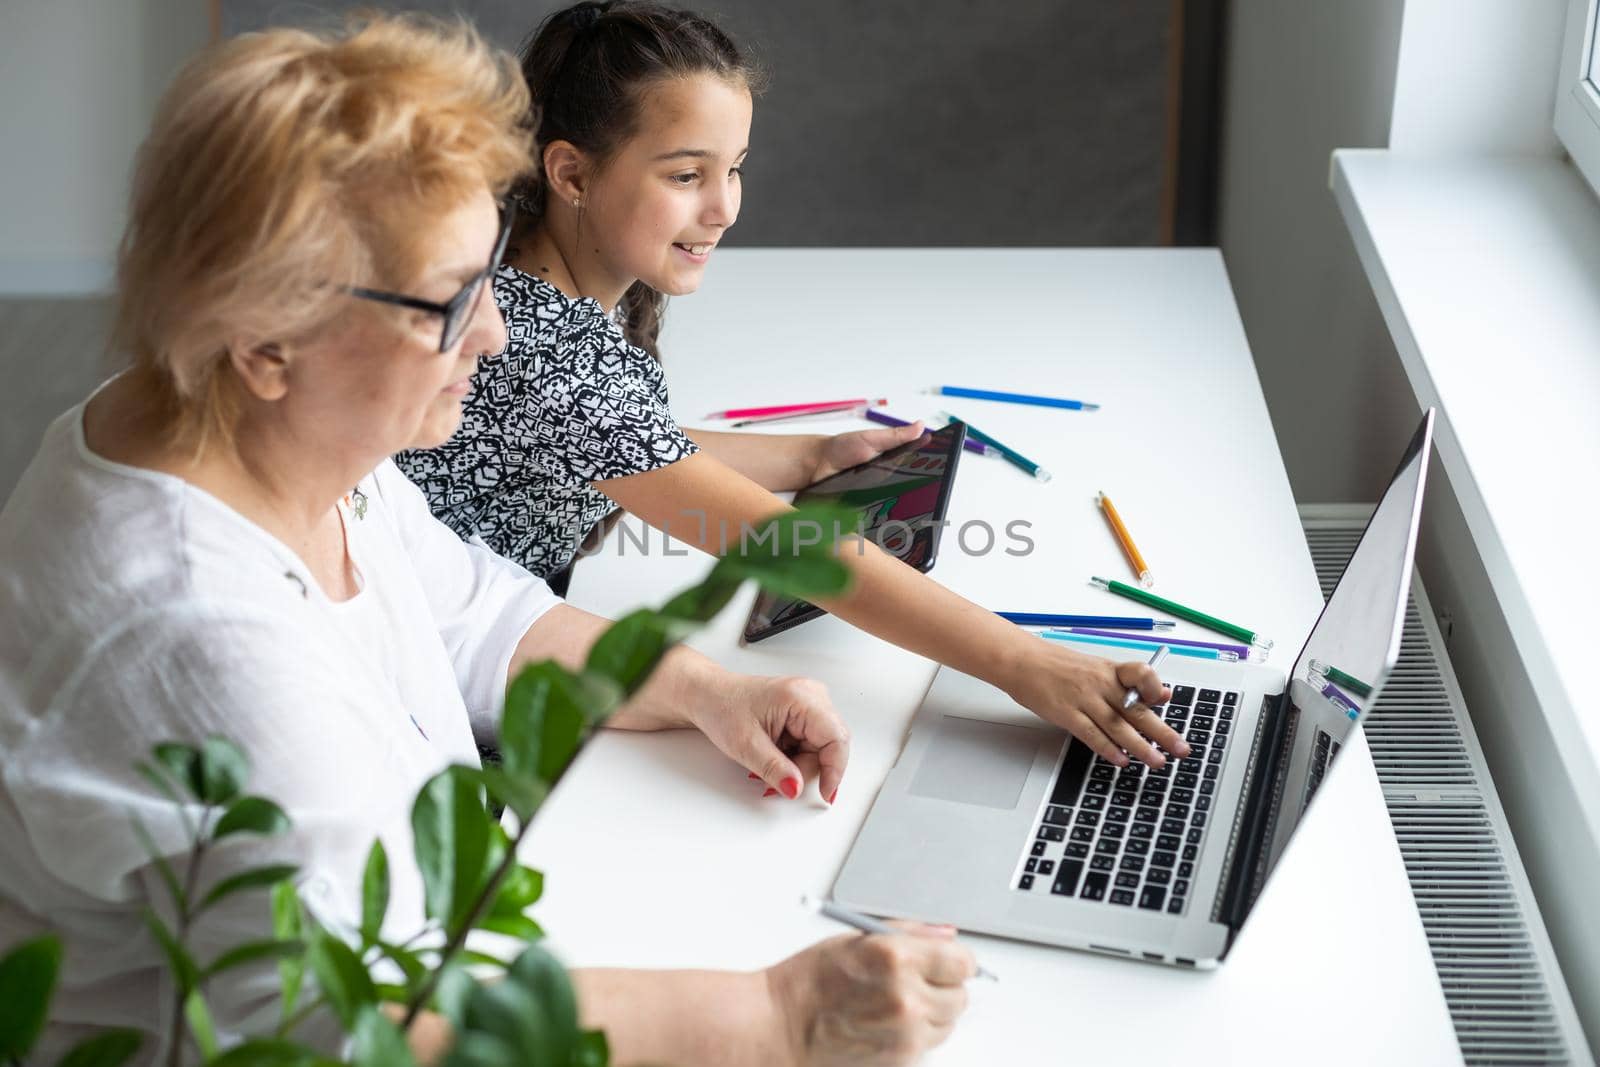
(1001, 824)
(902, 495)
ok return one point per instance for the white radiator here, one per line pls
(1506, 995)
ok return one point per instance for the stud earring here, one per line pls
(577, 202)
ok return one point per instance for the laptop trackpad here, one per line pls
(975, 762)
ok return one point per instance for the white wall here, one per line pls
(1478, 77)
(1301, 79)
(80, 80)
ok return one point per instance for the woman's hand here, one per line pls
(784, 731)
(872, 999)
(1083, 695)
(845, 450)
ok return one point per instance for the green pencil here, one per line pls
(1338, 677)
(1199, 618)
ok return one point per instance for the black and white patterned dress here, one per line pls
(570, 402)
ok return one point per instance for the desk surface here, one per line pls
(660, 853)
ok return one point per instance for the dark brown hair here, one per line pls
(587, 67)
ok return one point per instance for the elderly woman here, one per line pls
(216, 543)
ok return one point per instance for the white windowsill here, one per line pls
(1488, 273)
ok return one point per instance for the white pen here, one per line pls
(865, 924)
(1131, 697)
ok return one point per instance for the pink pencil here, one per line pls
(786, 409)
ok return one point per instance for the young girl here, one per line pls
(643, 121)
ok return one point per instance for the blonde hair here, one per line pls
(285, 165)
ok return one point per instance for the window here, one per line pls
(1578, 92)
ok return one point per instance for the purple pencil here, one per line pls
(1242, 651)
(889, 420)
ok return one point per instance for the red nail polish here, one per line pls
(770, 793)
(833, 796)
(790, 787)
(753, 776)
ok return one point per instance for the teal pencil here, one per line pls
(1015, 458)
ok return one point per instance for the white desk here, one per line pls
(660, 853)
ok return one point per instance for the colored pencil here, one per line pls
(781, 409)
(1142, 646)
(1172, 607)
(1110, 622)
(1014, 398)
(1242, 651)
(1334, 674)
(885, 419)
(1341, 701)
(756, 420)
(1140, 568)
(1011, 455)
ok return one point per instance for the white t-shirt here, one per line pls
(135, 609)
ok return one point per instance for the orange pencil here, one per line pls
(1140, 567)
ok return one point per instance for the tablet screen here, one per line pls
(901, 496)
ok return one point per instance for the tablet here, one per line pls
(901, 495)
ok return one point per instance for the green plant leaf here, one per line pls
(162, 782)
(472, 955)
(409, 962)
(451, 995)
(532, 1009)
(701, 603)
(183, 763)
(792, 553)
(593, 1050)
(288, 924)
(251, 815)
(251, 952)
(223, 771)
(109, 1049)
(474, 1049)
(255, 878)
(169, 877)
(342, 976)
(511, 1013)
(631, 647)
(518, 926)
(379, 1042)
(270, 1052)
(184, 970)
(546, 710)
(374, 893)
(522, 793)
(201, 1028)
(27, 980)
(451, 830)
(521, 889)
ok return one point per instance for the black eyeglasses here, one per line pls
(457, 312)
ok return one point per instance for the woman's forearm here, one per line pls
(709, 1018)
(778, 462)
(683, 680)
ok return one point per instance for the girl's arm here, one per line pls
(701, 502)
(781, 462)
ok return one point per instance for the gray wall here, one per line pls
(922, 122)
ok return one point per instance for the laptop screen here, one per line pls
(1350, 651)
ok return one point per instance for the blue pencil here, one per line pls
(1106, 622)
(1015, 398)
(1142, 645)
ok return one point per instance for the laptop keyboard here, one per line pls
(1131, 836)
(1322, 753)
